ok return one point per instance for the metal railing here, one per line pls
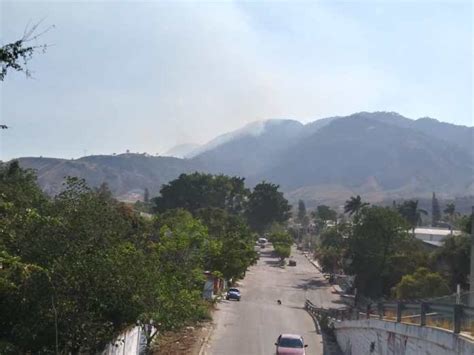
(455, 317)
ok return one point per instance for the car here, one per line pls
(233, 294)
(292, 263)
(290, 344)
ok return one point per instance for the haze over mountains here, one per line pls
(378, 155)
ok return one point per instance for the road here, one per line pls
(252, 325)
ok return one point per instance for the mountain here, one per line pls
(460, 136)
(251, 149)
(379, 155)
(126, 174)
(185, 150)
(372, 157)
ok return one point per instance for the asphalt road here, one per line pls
(252, 325)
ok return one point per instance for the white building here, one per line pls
(434, 236)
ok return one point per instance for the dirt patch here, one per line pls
(188, 340)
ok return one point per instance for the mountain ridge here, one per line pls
(379, 154)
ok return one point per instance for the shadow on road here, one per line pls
(274, 263)
(311, 284)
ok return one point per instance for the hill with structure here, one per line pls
(380, 155)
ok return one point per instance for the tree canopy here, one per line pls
(421, 284)
(195, 191)
(266, 205)
(301, 211)
(410, 211)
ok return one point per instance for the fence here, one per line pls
(455, 317)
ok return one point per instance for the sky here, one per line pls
(146, 76)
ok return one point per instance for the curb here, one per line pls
(202, 350)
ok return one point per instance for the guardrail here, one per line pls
(457, 318)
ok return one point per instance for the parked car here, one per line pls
(292, 263)
(290, 344)
(233, 294)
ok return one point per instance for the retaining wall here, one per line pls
(373, 336)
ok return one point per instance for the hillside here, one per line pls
(380, 155)
(250, 150)
(126, 174)
(373, 158)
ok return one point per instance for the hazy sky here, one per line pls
(146, 76)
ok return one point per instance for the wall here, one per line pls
(131, 342)
(372, 336)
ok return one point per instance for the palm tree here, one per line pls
(410, 211)
(354, 205)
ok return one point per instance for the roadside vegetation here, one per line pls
(376, 245)
(78, 268)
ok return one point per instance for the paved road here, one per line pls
(252, 325)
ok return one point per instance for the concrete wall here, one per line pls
(372, 336)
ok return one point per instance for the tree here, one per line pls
(374, 242)
(435, 211)
(326, 213)
(282, 251)
(354, 205)
(455, 254)
(265, 206)
(412, 214)
(146, 195)
(450, 210)
(195, 191)
(301, 211)
(16, 55)
(281, 240)
(421, 284)
(231, 248)
(331, 249)
(89, 266)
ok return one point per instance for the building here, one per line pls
(434, 236)
(213, 286)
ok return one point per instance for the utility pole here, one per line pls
(471, 276)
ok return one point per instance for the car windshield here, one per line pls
(233, 290)
(290, 343)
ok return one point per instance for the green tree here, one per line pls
(326, 213)
(354, 205)
(435, 211)
(450, 210)
(301, 211)
(81, 267)
(265, 206)
(281, 240)
(372, 247)
(195, 191)
(146, 195)
(464, 223)
(332, 248)
(282, 251)
(231, 248)
(421, 284)
(455, 254)
(412, 214)
(181, 251)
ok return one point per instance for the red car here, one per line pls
(290, 344)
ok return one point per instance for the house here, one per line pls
(213, 286)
